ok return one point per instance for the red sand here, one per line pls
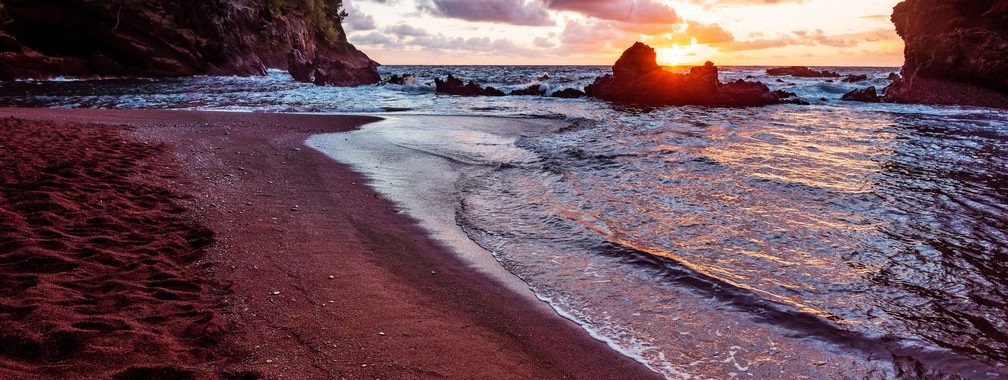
(339, 286)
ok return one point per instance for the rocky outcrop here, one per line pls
(956, 52)
(399, 80)
(533, 90)
(854, 78)
(637, 79)
(166, 38)
(867, 95)
(569, 93)
(801, 72)
(455, 86)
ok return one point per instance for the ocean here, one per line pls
(703, 242)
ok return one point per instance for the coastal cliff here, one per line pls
(170, 38)
(956, 52)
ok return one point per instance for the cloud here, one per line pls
(515, 12)
(635, 11)
(356, 19)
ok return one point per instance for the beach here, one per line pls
(234, 250)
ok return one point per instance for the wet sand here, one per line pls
(283, 258)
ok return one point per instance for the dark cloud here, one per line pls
(631, 11)
(515, 12)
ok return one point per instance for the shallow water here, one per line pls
(760, 242)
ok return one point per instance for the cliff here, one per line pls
(956, 52)
(168, 38)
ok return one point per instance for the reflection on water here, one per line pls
(832, 221)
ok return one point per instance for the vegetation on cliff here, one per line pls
(327, 15)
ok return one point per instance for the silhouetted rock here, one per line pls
(170, 38)
(784, 94)
(455, 86)
(893, 77)
(533, 90)
(869, 95)
(956, 52)
(637, 79)
(398, 80)
(569, 93)
(854, 78)
(545, 76)
(800, 71)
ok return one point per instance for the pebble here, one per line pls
(269, 361)
(332, 277)
(295, 208)
(275, 293)
(381, 333)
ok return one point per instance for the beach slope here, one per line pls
(302, 269)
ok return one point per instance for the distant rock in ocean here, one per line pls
(533, 90)
(802, 72)
(569, 93)
(637, 79)
(956, 53)
(167, 38)
(868, 95)
(455, 86)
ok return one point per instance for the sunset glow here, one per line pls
(685, 32)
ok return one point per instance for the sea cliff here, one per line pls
(170, 38)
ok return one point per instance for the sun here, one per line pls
(677, 55)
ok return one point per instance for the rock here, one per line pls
(893, 77)
(299, 67)
(170, 38)
(545, 76)
(533, 90)
(455, 86)
(398, 80)
(345, 68)
(854, 78)
(801, 71)
(956, 53)
(637, 79)
(868, 95)
(569, 93)
(784, 94)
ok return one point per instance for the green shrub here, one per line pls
(324, 14)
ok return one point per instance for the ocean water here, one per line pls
(831, 240)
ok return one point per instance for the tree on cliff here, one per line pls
(327, 15)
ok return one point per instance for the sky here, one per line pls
(595, 32)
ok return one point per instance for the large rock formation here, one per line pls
(956, 52)
(167, 38)
(637, 79)
(801, 72)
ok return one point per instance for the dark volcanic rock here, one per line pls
(569, 93)
(398, 80)
(854, 78)
(455, 86)
(299, 67)
(166, 38)
(803, 72)
(869, 95)
(956, 52)
(637, 79)
(533, 90)
(342, 67)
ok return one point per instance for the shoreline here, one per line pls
(328, 279)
